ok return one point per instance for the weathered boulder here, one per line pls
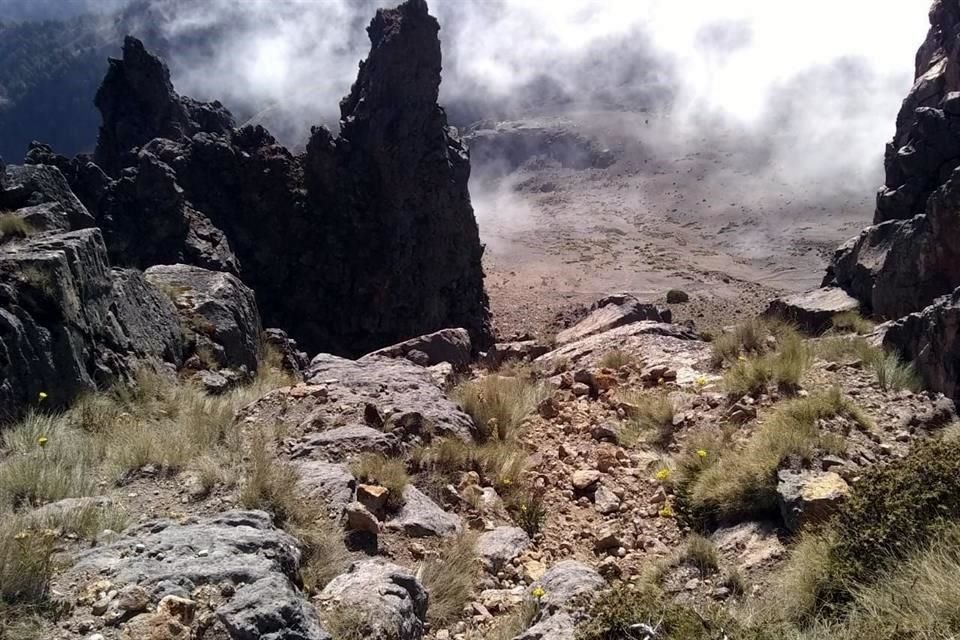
(449, 345)
(386, 394)
(612, 312)
(364, 240)
(217, 308)
(292, 359)
(390, 601)
(43, 186)
(515, 351)
(566, 581)
(344, 443)
(809, 497)
(332, 484)
(69, 324)
(559, 626)
(421, 517)
(813, 311)
(499, 547)
(238, 549)
(930, 339)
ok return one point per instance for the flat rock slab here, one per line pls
(344, 443)
(389, 599)
(612, 312)
(566, 581)
(239, 548)
(448, 345)
(813, 311)
(809, 497)
(421, 517)
(499, 547)
(328, 482)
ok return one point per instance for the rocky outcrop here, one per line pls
(218, 310)
(612, 312)
(250, 565)
(449, 345)
(43, 189)
(809, 498)
(421, 517)
(912, 254)
(931, 340)
(366, 240)
(69, 324)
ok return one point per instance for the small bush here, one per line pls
(701, 554)
(840, 349)
(649, 419)
(498, 404)
(784, 367)
(528, 511)
(616, 359)
(270, 485)
(13, 226)
(391, 473)
(324, 554)
(677, 296)
(499, 463)
(449, 580)
(894, 374)
(742, 484)
(852, 322)
(747, 339)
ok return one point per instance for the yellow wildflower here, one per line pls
(23, 535)
(42, 441)
(662, 474)
(666, 511)
(538, 592)
(43, 396)
(701, 453)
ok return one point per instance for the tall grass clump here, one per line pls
(616, 359)
(390, 473)
(449, 579)
(649, 419)
(783, 367)
(13, 226)
(852, 322)
(498, 404)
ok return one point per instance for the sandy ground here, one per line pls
(709, 215)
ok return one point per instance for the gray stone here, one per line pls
(399, 390)
(213, 383)
(421, 517)
(359, 518)
(566, 581)
(333, 484)
(809, 497)
(930, 339)
(37, 185)
(219, 309)
(344, 443)
(606, 501)
(559, 626)
(270, 609)
(515, 351)
(584, 479)
(813, 311)
(612, 312)
(499, 547)
(69, 325)
(390, 600)
(449, 345)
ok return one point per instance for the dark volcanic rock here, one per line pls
(366, 240)
(217, 308)
(931, 340)
(912, 254)
(449, 345)
(32, 186)
(68, 323)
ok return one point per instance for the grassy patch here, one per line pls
(449, 580)
(391, 473)
(701, 554)
(894, 375)
(498, 403)
(735, 484)
(649, 419)
(852, 322)
(752, 338)
(509, 626)
(13, 226)
(616, 359)
(891, 372)
(528, 511)
(784, 368)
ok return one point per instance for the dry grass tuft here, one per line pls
(498, 404)
(391, 473)
(13, 226)
(449, 579)
(852, 322)
(701, 554)
(617, 359)
(784, 367)
(649, 419)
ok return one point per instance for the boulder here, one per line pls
(398, 394)
(566, 581)
(359, 518)
(449, 345)
(344, 443)
(523, 350)
(559, 626)
(45, 193)
(292, 360)
(501, 546)
(612, 312)
(390, 601)
(930, 339)
(238, 549)
(69, 324)
(421, 517)
(217, 308)
(813, 311)
(809, 498)
(333, 484)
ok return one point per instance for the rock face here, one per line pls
(242, 550)
(612, 312)
(365, 240)
(391, 602)
(912, 254)
(931, 340)
(449, 345)
(218, 309)
(814, 310)
(68, 323)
